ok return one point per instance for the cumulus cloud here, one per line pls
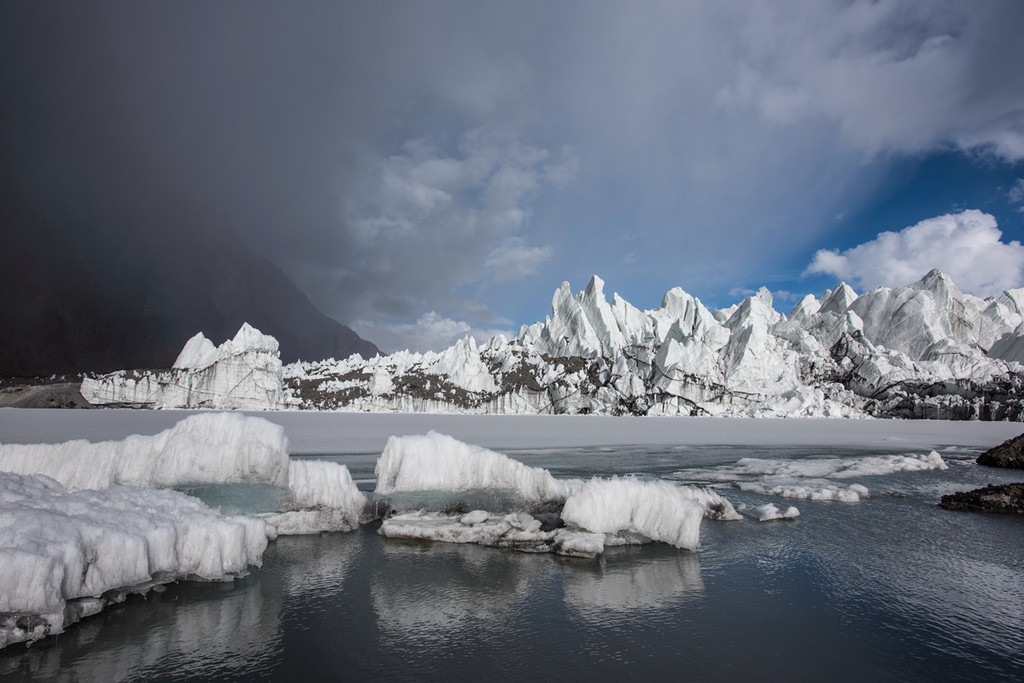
(431, 332)
(966, 246)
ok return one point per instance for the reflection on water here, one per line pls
(888, 588)
(626, 581)
(215, 627)
(428, 592)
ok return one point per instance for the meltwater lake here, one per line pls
(888, 587)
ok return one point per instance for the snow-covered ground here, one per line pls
(925, 350)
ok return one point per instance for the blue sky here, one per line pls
(427, 170)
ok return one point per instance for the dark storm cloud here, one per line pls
(400, 158)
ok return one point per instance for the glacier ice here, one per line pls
(634, 510)
(769, 512)
(568, 517)
(214, 448)
(924, 350)
(243, 373)
(437, 462)
(67, 554)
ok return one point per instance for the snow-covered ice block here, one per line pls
(215, 448)
(515, 530)
(325, 498)
(768, 512)
(436, 462)
(67, 554)
(206, 448)
(631, 509)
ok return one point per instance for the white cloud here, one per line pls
(966, 246)
(1016, 193)
(431, 332)
(782, 295)
(895, 75)
(741, 292)
(431, 220)
(513, 260)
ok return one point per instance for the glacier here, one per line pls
(924, 350)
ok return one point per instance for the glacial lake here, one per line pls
(887, 588)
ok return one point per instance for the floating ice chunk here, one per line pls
(207, 448)
(768, 512)
(832, 468)
(626, 507)
(515, 530)
(218, 448)
(436, 462)
(67, 554)
(327, 497)
(887, 464)
(578, 543)
(809, 491)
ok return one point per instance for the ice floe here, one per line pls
(627, 509)
(214, 448)
(769, 512)
(65, 555)
(437, 462)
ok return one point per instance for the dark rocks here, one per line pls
(58, 395)
(1007, 499)
(1007, 454)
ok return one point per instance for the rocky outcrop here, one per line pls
(1007, 499)
(1007, 454)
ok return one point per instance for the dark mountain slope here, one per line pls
(96, 298)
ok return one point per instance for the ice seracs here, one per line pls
(924, 350)
(243, 373)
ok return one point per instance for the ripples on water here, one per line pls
(889, 588)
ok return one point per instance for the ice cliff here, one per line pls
(243, 373)
(924, 350)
